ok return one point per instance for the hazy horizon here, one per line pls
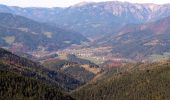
(66, 3)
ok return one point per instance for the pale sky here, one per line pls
(66, 3)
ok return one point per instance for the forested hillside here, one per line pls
(16, 87)
(140, 82)
(81, 69)
(27, 68)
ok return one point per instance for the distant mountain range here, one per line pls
(138, 41)
(23, 34)
(119, 24)
(94, 18)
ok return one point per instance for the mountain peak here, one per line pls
(153, 7)
(82, 4)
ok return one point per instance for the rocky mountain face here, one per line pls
(138, 41)
(94, 18)
(22, 34)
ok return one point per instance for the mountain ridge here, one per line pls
(30, 69)
(99, 18)
(143, 39)
(20, 32)
(141, 81)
